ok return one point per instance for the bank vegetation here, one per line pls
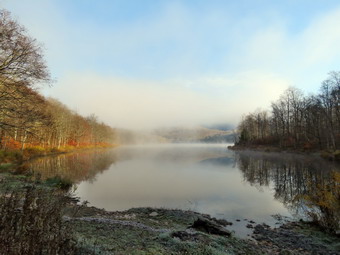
(28, 121)
(297, 121)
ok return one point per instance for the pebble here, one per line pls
(153, 214)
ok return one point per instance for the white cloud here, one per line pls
(202, 66)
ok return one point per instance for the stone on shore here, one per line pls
(209, 226)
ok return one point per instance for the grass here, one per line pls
(96, 237)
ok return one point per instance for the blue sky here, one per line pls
(166, 63)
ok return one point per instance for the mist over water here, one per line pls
(206, 178)
(200, 177)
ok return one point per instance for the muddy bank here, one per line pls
(165, 231)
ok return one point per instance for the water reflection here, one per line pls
(76, 167)
(204, 178)
(307, 186)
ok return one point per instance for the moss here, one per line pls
(59, 182)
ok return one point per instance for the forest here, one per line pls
(28, 119)
(296, 121)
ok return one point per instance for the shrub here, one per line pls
(31, 223)
(323, 203)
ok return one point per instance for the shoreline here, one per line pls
(333, 156)
(17, 157)
(172, 231)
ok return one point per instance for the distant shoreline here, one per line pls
(327, 155)
(14, 158)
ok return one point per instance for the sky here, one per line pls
(158, 63)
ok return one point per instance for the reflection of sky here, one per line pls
(184, 182)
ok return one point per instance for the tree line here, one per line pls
(296, 120)
(26, 117)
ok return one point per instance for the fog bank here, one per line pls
(142, 104)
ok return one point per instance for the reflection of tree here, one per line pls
(301, 183)
(77, 167)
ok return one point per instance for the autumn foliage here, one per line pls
(28, 121)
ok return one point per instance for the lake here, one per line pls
(207, 178)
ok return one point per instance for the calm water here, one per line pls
(205, 178)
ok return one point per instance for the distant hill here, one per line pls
(125, 136)
(195, 134)
(219, 138)
(175, 135)
(220, 126)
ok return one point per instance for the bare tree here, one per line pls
(21, 58)
(22, 66)
(298, 121)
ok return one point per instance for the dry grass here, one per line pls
(31, 222)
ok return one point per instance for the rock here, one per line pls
(249, 226)
(238, 220)
(153, 214)
(223, 222)
(265, 225)
(252, 222)
(259, 229)
(128, 216)
(185, 236)
(211, 227)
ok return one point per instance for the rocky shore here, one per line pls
(165, 231)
